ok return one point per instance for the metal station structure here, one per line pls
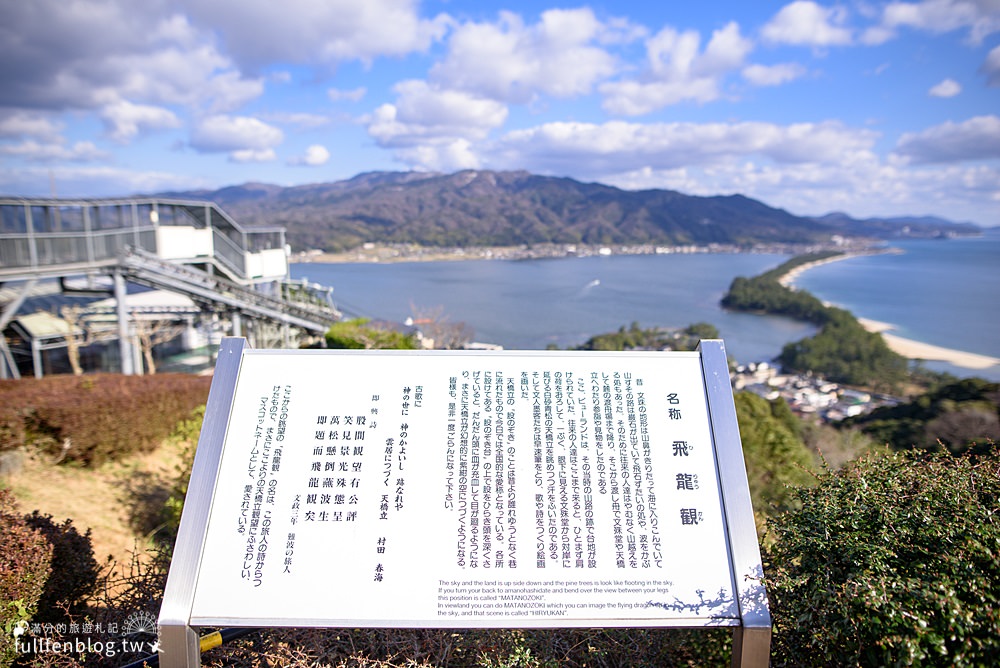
(236, 274)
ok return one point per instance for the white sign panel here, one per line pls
(466, 490)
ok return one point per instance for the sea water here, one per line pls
(944, 292)
(941, 292)
(530, 304)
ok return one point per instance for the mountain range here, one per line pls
(487, 208)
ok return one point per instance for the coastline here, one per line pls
(918, 350)
(788, 279)
(389, 254)
(409, 252)
(908, 348)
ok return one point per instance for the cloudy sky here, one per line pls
(872, 108)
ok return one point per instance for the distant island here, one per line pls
(482, 209)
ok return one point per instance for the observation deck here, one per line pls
(188, 247)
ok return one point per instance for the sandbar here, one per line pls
(788, 279)
(908, 348)
(917, 350)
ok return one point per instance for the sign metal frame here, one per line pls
(179, 642)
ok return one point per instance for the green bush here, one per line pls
(188, 432)
(894, 560)
(81, 418)
(652, 338)
(362, 334)
(775, 454)
(842, 351)
(25, 558)
(960, 416)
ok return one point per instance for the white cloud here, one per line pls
(432, 129)
(618, 146)
(198, 77)
(773, 75)
(246, 139)
(875, 35)
(424, 113)
(91, 53)
(865, 186)
(125, 120)
(678, 71)
(224, 92)
(301, 120)
(633, 98)
(315, 156)
(511, 62)
(29, 149)
(93, 181)
(975, 139)
(806, 23)
(981, 17)
(991, 67)
(258, 32)
(725, 52)
(253, 155)
(443, 156)
(353, 95)
(29, 124)
(946, 88)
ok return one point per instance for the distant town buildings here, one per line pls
(807, 395)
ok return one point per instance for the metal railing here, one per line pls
(145, 268)
(39, 235)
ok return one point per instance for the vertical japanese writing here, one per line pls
(585, 479)
(380, 550)
(449, 486)
(463, 469)
(595, 403)
(590, 438)
(551, 524)
(334, 481)
(475, 472)
(289, 551)
(512, 486)
(655, 551)
(480, 483)
(685, 480)
(536, 425)
(392, 496)
(487, 469)
(610, 408)
(261, 489)
(404, 435)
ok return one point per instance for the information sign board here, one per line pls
(463, 489)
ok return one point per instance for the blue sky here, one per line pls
(871, 108)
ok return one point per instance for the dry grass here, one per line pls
(115, 500)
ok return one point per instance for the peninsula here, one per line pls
(908, 348)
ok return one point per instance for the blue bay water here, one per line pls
(940, 292)
(528, 305)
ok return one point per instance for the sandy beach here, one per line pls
(914, 350)
(917, 350)
(788, 279)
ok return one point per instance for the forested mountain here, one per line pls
(901, 226)
(484, 208)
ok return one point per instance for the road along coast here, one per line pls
(908, 348)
